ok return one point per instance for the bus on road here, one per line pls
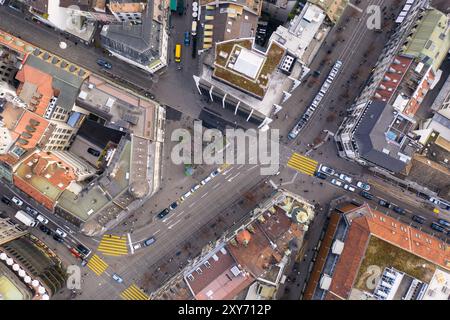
(178, 53)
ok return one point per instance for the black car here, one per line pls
(173, 205)
(399, 210)
(45, 229)
(384, 203)
(419, 219)
(31, 211)
(444, 223)
(5, 200)
(94, 152)
(437, 227)
(163, 213)
(82, 249)
(321, 175)
(366, 195)
(58, 238)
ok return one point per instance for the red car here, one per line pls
(75, 253)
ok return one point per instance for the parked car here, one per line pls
(366, 195)
(345, 178)
(187, 38)
(434, 200)
(399, 210)
(419, 219)
(45, 229)
(94, 152)
(186, 195)
(84, 262)
(74, 252)
(84, 250)
(173, 205)
(58, 238)
(321, 175)
(363, 185)
(384, 203)
(327, 170)
(444, 223)
(214, 173)
(163, 213)
(17, 201)
(42, 219)
(31, 211)
(437, 227)
(349, 187)
(103, 63)
(137, 246)
(116, 277)
(206, 180)
(196, 187)
(61, 233)
(149, 241)
(5, 200)
(337, 182)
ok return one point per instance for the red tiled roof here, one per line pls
(391, 230)
(24, 125)
(392, 78)
(42, 81)
(420, 93)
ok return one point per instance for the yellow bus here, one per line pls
(178, 53)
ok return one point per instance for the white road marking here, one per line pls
(130, 243)
(273, 184)
(355, 7)
(192, 204)
(231, 179)
(253, 167)
(157, 231)
(171, 226)
(241, 166)
(204, 195)
(218, 184)
(179, 213)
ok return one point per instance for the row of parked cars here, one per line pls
(440, 225)
(341, 179)
(309, 112)
(175, 204)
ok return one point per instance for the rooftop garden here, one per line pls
(383, 254)
(256, 86)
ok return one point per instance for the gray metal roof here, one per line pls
(67, 83)
(144, 39)
(371, 139)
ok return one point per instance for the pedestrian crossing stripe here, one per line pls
(97, 265)
(133, 293)
(303, 164)
(113, 245)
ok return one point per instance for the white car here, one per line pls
(61, 233)
(432, 199)
(206, 180)
(195, 188)
(42, 219)
(363, 185)
(349, 187)
(345, 178)
(184, 196)
(137, 246)
(327, 170)
(336, 182)
(17, 201)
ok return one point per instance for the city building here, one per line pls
(367, 255)
(143, 45)
(127, 11)
(226, 21)
(29, 269)
(124, 143)
(67, 16)
(379, 130)
(9, 231)
(248, 82)
(248, 261)
(304, 34)
(279, 9)
(332, 8)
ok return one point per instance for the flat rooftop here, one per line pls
(243, 67)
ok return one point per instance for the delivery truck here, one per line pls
(25, 218)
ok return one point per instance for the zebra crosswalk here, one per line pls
(97, 265)
(302, 164)
(133, 293)
(112, 245)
